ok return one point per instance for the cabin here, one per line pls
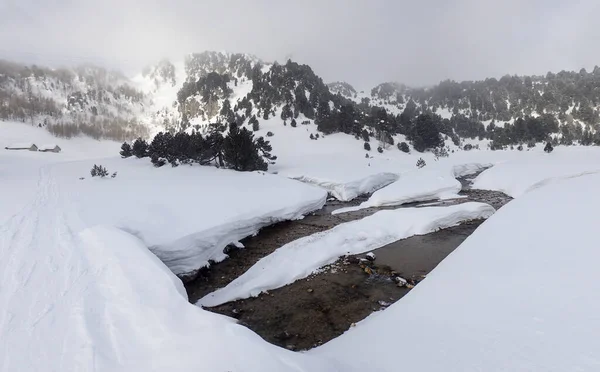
(22, 146)
(49, 148)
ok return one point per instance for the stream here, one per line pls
(314, 310)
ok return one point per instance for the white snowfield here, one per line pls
(300, 258)
(80, 291)
(414, 186)
(518, 295)
(185, 215)
(520, 175)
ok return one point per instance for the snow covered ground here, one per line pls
(80, 290)
(518, 295)
(186, 215)
(300, 258)
(413, 186)
(520, 175)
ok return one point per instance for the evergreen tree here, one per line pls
(549, 148)
(99, 171)
(425, 134)
(126, 150)
(286, 112)
(254, 121)
(421, 163)
(241, 152)
(140, 148)
(403, 146)
(367, 146)
(365, 135)
(293, 123)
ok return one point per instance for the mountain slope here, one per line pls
(212, 87)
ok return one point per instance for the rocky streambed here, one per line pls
(314, 310)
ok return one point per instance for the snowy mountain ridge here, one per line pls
(211, 87)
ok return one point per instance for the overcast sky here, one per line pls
(417, 42)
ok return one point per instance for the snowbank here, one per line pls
(412, 186)
(520, 175)
(186, 215)
(517, 295)
(302, 257)
(83, 302)
(350, 190)
(462, 170)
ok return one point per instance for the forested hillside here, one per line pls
(209, 88)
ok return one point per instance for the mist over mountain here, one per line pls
(216, 87)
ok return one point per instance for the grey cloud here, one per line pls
(362, 42)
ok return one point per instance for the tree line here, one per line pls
(237, 149)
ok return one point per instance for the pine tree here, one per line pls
(140, 148)
(421, 163)
(243, 153)
(293, 123)
(424, 134)
(126, 150)
(403, 146)
(549, 148)
(365, 135)
(254, 121)
(367, 146)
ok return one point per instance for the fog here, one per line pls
(361, 42)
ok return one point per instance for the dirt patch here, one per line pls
(314, 310)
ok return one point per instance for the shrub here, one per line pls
(99, 171)
(380, 150)
(549, 148)
(270, 134)
(367, 146)
(468, 147)
(403, 146)
(421, 163)
(440, 152)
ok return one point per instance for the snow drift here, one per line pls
(421, 185)
(302, 257)
(520, 175)
(188, 214)
(517, 295)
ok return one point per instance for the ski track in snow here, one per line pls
(43, 231)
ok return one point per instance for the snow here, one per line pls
(81, 292)
(300, 258)
(352, 189)
(419, 185)
(82, 302)
(46, 147)
(20, 145)
(517, 295)
(536, 169)
(188, 214)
